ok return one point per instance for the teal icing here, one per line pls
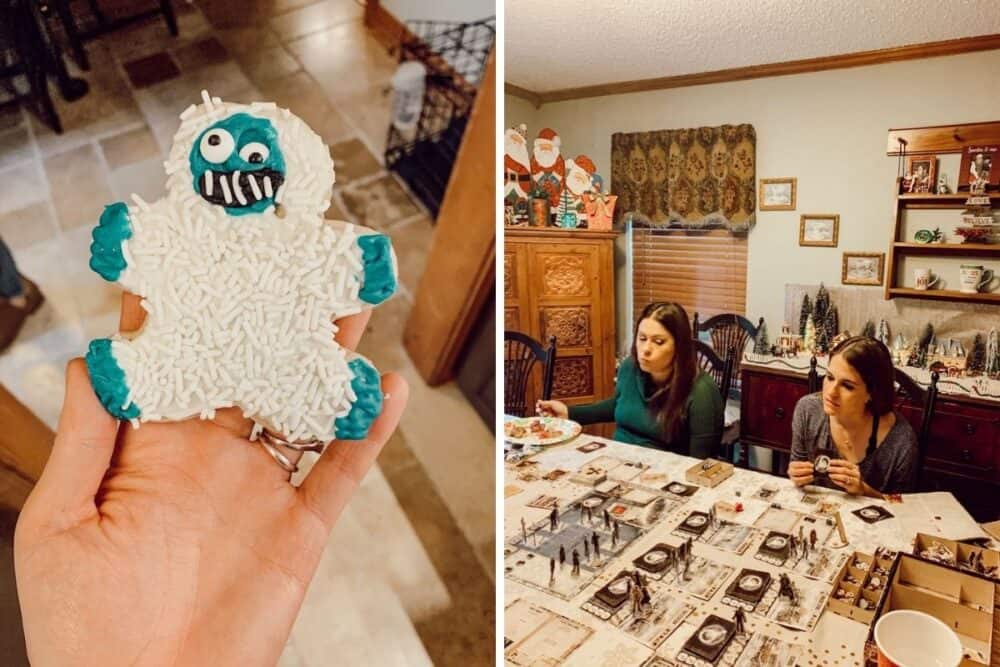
(380, 275)
(244, 129)
(106, 257)
(108, 380)
(367, 386)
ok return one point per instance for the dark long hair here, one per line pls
(870, 358)
(667, 404)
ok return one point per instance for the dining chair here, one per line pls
(520, 354)
(728, 331)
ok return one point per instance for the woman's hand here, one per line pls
(176, 543)
(552, 409)
(800, 472)
(847, 476)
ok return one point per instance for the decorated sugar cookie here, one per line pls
(241, 279)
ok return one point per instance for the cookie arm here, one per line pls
(107, 252)
(378, 273)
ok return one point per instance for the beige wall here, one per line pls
(516, 111)
(828, 129)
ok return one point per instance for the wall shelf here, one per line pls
(944, 295)
(898, 248)
(948, 249)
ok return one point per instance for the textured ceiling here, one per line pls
(559, 44)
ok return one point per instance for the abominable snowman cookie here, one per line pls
(241, 278)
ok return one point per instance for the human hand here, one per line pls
(800, 472)
(552, 409)
(847, 476)
(176, 543)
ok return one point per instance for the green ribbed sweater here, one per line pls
(699, 435)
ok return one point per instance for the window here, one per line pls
(704, 271)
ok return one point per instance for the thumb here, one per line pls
(81, 452)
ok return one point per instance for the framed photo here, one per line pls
(777, 194)
(979, 169)
(820, 230)
(862, 268)
(921, 173)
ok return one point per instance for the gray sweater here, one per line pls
(890, 468)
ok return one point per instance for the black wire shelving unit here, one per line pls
(455, 56)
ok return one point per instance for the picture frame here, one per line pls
(819, 230)
(863, 268)
(979, 159)
(921, 173)
(777, 194)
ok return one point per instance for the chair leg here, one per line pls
(72, 34)
(168, 15)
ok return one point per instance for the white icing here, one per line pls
(240, 309)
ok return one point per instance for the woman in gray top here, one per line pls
(848, 436)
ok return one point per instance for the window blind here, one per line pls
(704, 271)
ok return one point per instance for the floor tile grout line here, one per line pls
(295, 38)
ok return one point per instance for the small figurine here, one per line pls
(942, 185)
(739, 618)
(614, 536)
(552, 569)
(595, 540)
(562, 555)
(586, 549)
(554, 519)
(607, 520)
(635, 597)
(812, 539)
(576, 563)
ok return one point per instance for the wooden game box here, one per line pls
(709, 472)
(965, 601)
(961, 553)
(863, 590)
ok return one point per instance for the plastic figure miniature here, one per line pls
(739, 618)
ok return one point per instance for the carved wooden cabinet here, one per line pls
(963, 452)
(561, 282)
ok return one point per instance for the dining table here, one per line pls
(582, 516)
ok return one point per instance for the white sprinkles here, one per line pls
(241, 308)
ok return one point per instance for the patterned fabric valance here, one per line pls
(698, 178)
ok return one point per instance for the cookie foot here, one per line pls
(108, 380)
(379, 282)
(367, 386)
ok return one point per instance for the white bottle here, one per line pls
(408, 96)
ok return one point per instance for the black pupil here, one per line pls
(214, 140)
(256, 157)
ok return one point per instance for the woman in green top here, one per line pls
(662, 399)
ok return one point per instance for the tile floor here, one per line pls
(427, 510)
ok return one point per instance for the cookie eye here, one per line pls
(216, 145)
(254, 152)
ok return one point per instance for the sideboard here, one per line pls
(963, 452)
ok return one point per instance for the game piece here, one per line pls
(740, 619)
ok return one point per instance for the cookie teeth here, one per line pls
(253, 186)
(226, 194)
(267, 187)
(237, 190)
(209, 183)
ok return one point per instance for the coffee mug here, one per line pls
(972, 278)
(923, 279)
(907, 638)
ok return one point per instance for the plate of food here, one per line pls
(539, 431)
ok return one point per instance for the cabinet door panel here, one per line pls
(768, 403)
